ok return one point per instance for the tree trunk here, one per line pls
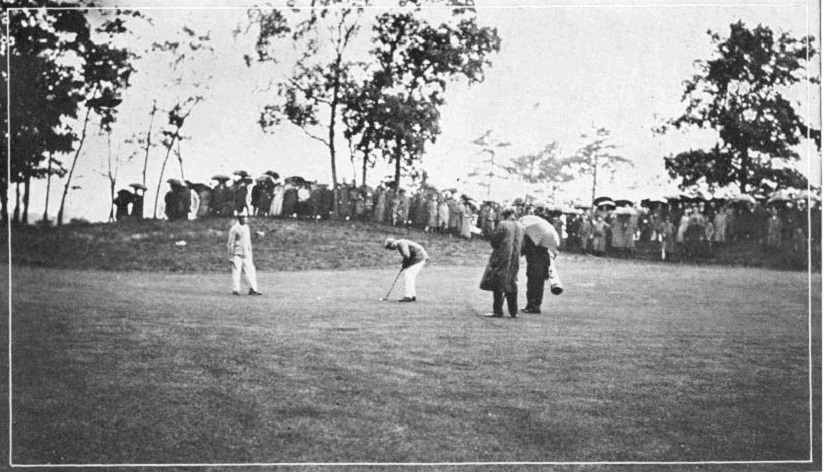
(332, 114)
(149, 140)
(71, 170)
(162, 170)
(595, 175)
(743, 170)
(48, 191)
(4, 199)
(16, 217)
(397, 164)
(26, 189)
(180, 160)
(364, 171)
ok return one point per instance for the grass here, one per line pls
(634, 362)
(153, 245)
(278, 245)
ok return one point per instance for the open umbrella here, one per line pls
(806, 194)
(295, 180)
(624, 211)
(138, 186)
(273, 174)
(651, 202)
(623, 203)
(599, 200)
(744, 198)
(541, 232)
(220, 177)
(242, 173)
(606, 203)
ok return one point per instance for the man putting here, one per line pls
(239, 247)
(413, 258)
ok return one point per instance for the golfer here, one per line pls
(239, 247)
(413, 259)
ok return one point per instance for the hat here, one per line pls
(241, 213)
(389, 243)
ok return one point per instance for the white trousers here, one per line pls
(409, 278)
(243, 264)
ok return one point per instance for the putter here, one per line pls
(393, 285)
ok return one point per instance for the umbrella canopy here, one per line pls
(624, 211)
(123, 192)
(649, 202)
(599, 200)
(273, 174)
(295, 179)
(623, 202)
(103, 102)
(606, 203)
(220, 177)
(241, 173)
(806, 194)
(541, 232)
(138, 186)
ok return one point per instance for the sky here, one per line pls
(563, 69)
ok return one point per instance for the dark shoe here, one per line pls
(407, 299)
(556, 290)
(494, 315)
(253, 292)
(533, 311)
(235, 292)
(513, 315)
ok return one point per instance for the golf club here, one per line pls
(393, 285)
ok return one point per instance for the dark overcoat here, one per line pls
(501, 274)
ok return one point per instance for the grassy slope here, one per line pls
(281, 245)
(635, 362)
(277, 245)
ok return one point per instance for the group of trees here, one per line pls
(548, 168)
(68, 69)
(387, 102)
(741, 93)
(383, 100)
(60, 67)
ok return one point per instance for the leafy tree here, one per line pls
(489, 169)
(740, 93)
(60, 62)
(311, 96)
(182, 51)
(172, 134)
(545, 170)
(597, 154)
(411, 64)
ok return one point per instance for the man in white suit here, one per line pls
(239, 247)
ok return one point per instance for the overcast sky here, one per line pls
(562, 69)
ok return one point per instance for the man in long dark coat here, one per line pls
(500, 276)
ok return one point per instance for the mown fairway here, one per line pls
(634, 362)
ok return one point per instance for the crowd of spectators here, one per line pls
(679, 227)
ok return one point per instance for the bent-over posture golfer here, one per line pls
(239, 246)
(414, 256)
